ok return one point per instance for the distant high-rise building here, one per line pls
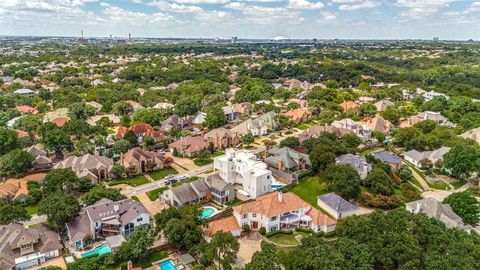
(234, 39)
(435, 39)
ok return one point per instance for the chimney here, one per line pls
(417, 209)
(116, 208)
(280, 196)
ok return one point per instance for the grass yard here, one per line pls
(302, 126)
(155, 194)
(415, 182)
(147, 262)
(31, 209)
(288, 239)
(458, 184)
(309, 188)
(135, 198)
(202, 161)
(439, 185)
(188, 180)
(218, 153)
(371, 150)
(160, 174)
(132, 181)
(234, 202)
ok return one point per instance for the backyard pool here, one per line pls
(207, 212)
(167, 265)
(100, 250)
(275, 187)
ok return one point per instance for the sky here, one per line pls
(322, 19)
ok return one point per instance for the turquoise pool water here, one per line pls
(275, 187)
(207, 212)
(167, 265)
(100, 250)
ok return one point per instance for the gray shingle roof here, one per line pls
(387, 157)
(336, 202)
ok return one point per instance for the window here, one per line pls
(254, 215)
(245, 215)
(139, 219)
(273, 218)
(273, 228)
(268, 176)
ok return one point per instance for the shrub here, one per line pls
(270, 234)
(381, 201)
(246, 228)
(305, 230)
(262, 230)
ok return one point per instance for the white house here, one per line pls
(258, 126)
(360, 129)
(336, 206)
(242, 167)
(415, 157)
(281, 211)
(427, 96)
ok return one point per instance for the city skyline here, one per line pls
(252, 19)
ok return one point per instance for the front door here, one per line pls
(254, 225)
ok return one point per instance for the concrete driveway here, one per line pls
(152, 207)
(249, 244)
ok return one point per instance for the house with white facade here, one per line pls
(281, 211)
(106, 218)
(243, 168)
(336, 206)
(257, 126)
(427, 96)
(359, 163)
(362, 130)
(415, 157)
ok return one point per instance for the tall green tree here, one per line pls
(465, 205)
(8, 140)
(16, 162)
(99, 192)
(225, 248)
(344, 180)
(215, 117)
(59, 180)
(266, 259)
(11, 213)
(59, 208)
(462, 160)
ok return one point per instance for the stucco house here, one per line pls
(281, 211)
(138, 160)
(258, 126)
(336, 206)
(415, 157)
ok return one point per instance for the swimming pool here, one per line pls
(167, 265)
(207, 212)
(275, 187)
(100, 250)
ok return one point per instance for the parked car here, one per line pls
(181, 178)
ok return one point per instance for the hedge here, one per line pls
(270, 234)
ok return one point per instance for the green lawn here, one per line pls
(160, 174)
(218, 153)
(202, 161)
(309, 188)
(415, 182)
(302, 126)
(288, 239)
(135, 198)
(155, 194)
(147, 262)
(188, 180)
(439, 185)
(32, 209)
(234, 202)
(458, 184)
(371, 150)
(133, 181)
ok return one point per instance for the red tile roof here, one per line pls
(228, 224)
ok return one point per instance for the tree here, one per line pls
(466, 206)
(8, 140)
(16, 162)
(426, 126)
(215, 117)
(344, 180)
(122, 108)
(99, 192)
(80, 110)
(379, 136)
(266, 259)
(59, 208)
(188, 105)
(117, 171)
(291, 142)
(28, 123)
(320, 157)
(184, 230)
(58, 180)
(391, 115)
(137, 246)
(121, 146)
(408, 137)
(151, 116)
(462, 160)
(164, 216)
(57, 140)
(368, 109)
(11, 213)
(131, 137)
(224, 247)
(248, 138)
(379, 182)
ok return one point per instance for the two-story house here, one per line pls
(22, 248)
(281, 211)
(360, 129)
(106, 218)
(242, 167)
(258, 126)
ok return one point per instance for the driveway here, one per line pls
(439, 195)
(249, 244)
(35, 219)
(152, 207)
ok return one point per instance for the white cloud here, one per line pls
(137, 1)
(201, 1)
(267, 15)
(304, 4)
(122, 16)
(354, 5)
(174, 7)
(417, 9)
(475, 7)
(327, 17)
